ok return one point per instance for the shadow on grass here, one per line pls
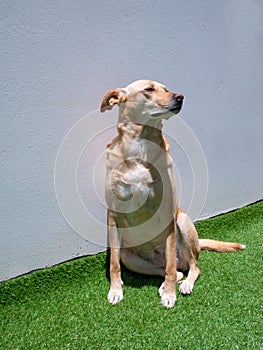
(133, 279)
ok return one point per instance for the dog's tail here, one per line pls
(220, 246)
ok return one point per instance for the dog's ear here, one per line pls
(111, 98)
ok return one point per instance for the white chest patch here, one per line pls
(137, 186)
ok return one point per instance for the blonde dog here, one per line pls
(147, 231)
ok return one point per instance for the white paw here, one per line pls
(115, 296)
(168, 300)
(186, 287)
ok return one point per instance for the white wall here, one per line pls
(57, 60)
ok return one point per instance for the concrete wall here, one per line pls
(57, 60)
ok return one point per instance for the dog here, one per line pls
(147, 231)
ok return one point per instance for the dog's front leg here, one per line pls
(115, 294)
(167, 290)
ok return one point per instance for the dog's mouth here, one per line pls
(176, 110)
(168, 110)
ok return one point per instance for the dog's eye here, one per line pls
(149, 88)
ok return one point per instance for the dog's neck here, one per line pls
(129, 131)
(141, 142)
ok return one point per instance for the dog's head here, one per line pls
(144, 98)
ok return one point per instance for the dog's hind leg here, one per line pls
(188, 249)
(136, 264)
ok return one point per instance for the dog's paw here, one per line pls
(168, 300)
(186, 287)
(115, 296)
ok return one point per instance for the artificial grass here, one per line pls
(65, 307)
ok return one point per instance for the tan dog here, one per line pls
(147, 231)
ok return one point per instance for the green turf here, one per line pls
(65, 307)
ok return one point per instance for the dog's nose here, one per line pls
(179, 97)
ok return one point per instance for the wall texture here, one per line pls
(57, 60)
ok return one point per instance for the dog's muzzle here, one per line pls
(177, 102)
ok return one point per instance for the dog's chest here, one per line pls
(136, 186)
(133, 180)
